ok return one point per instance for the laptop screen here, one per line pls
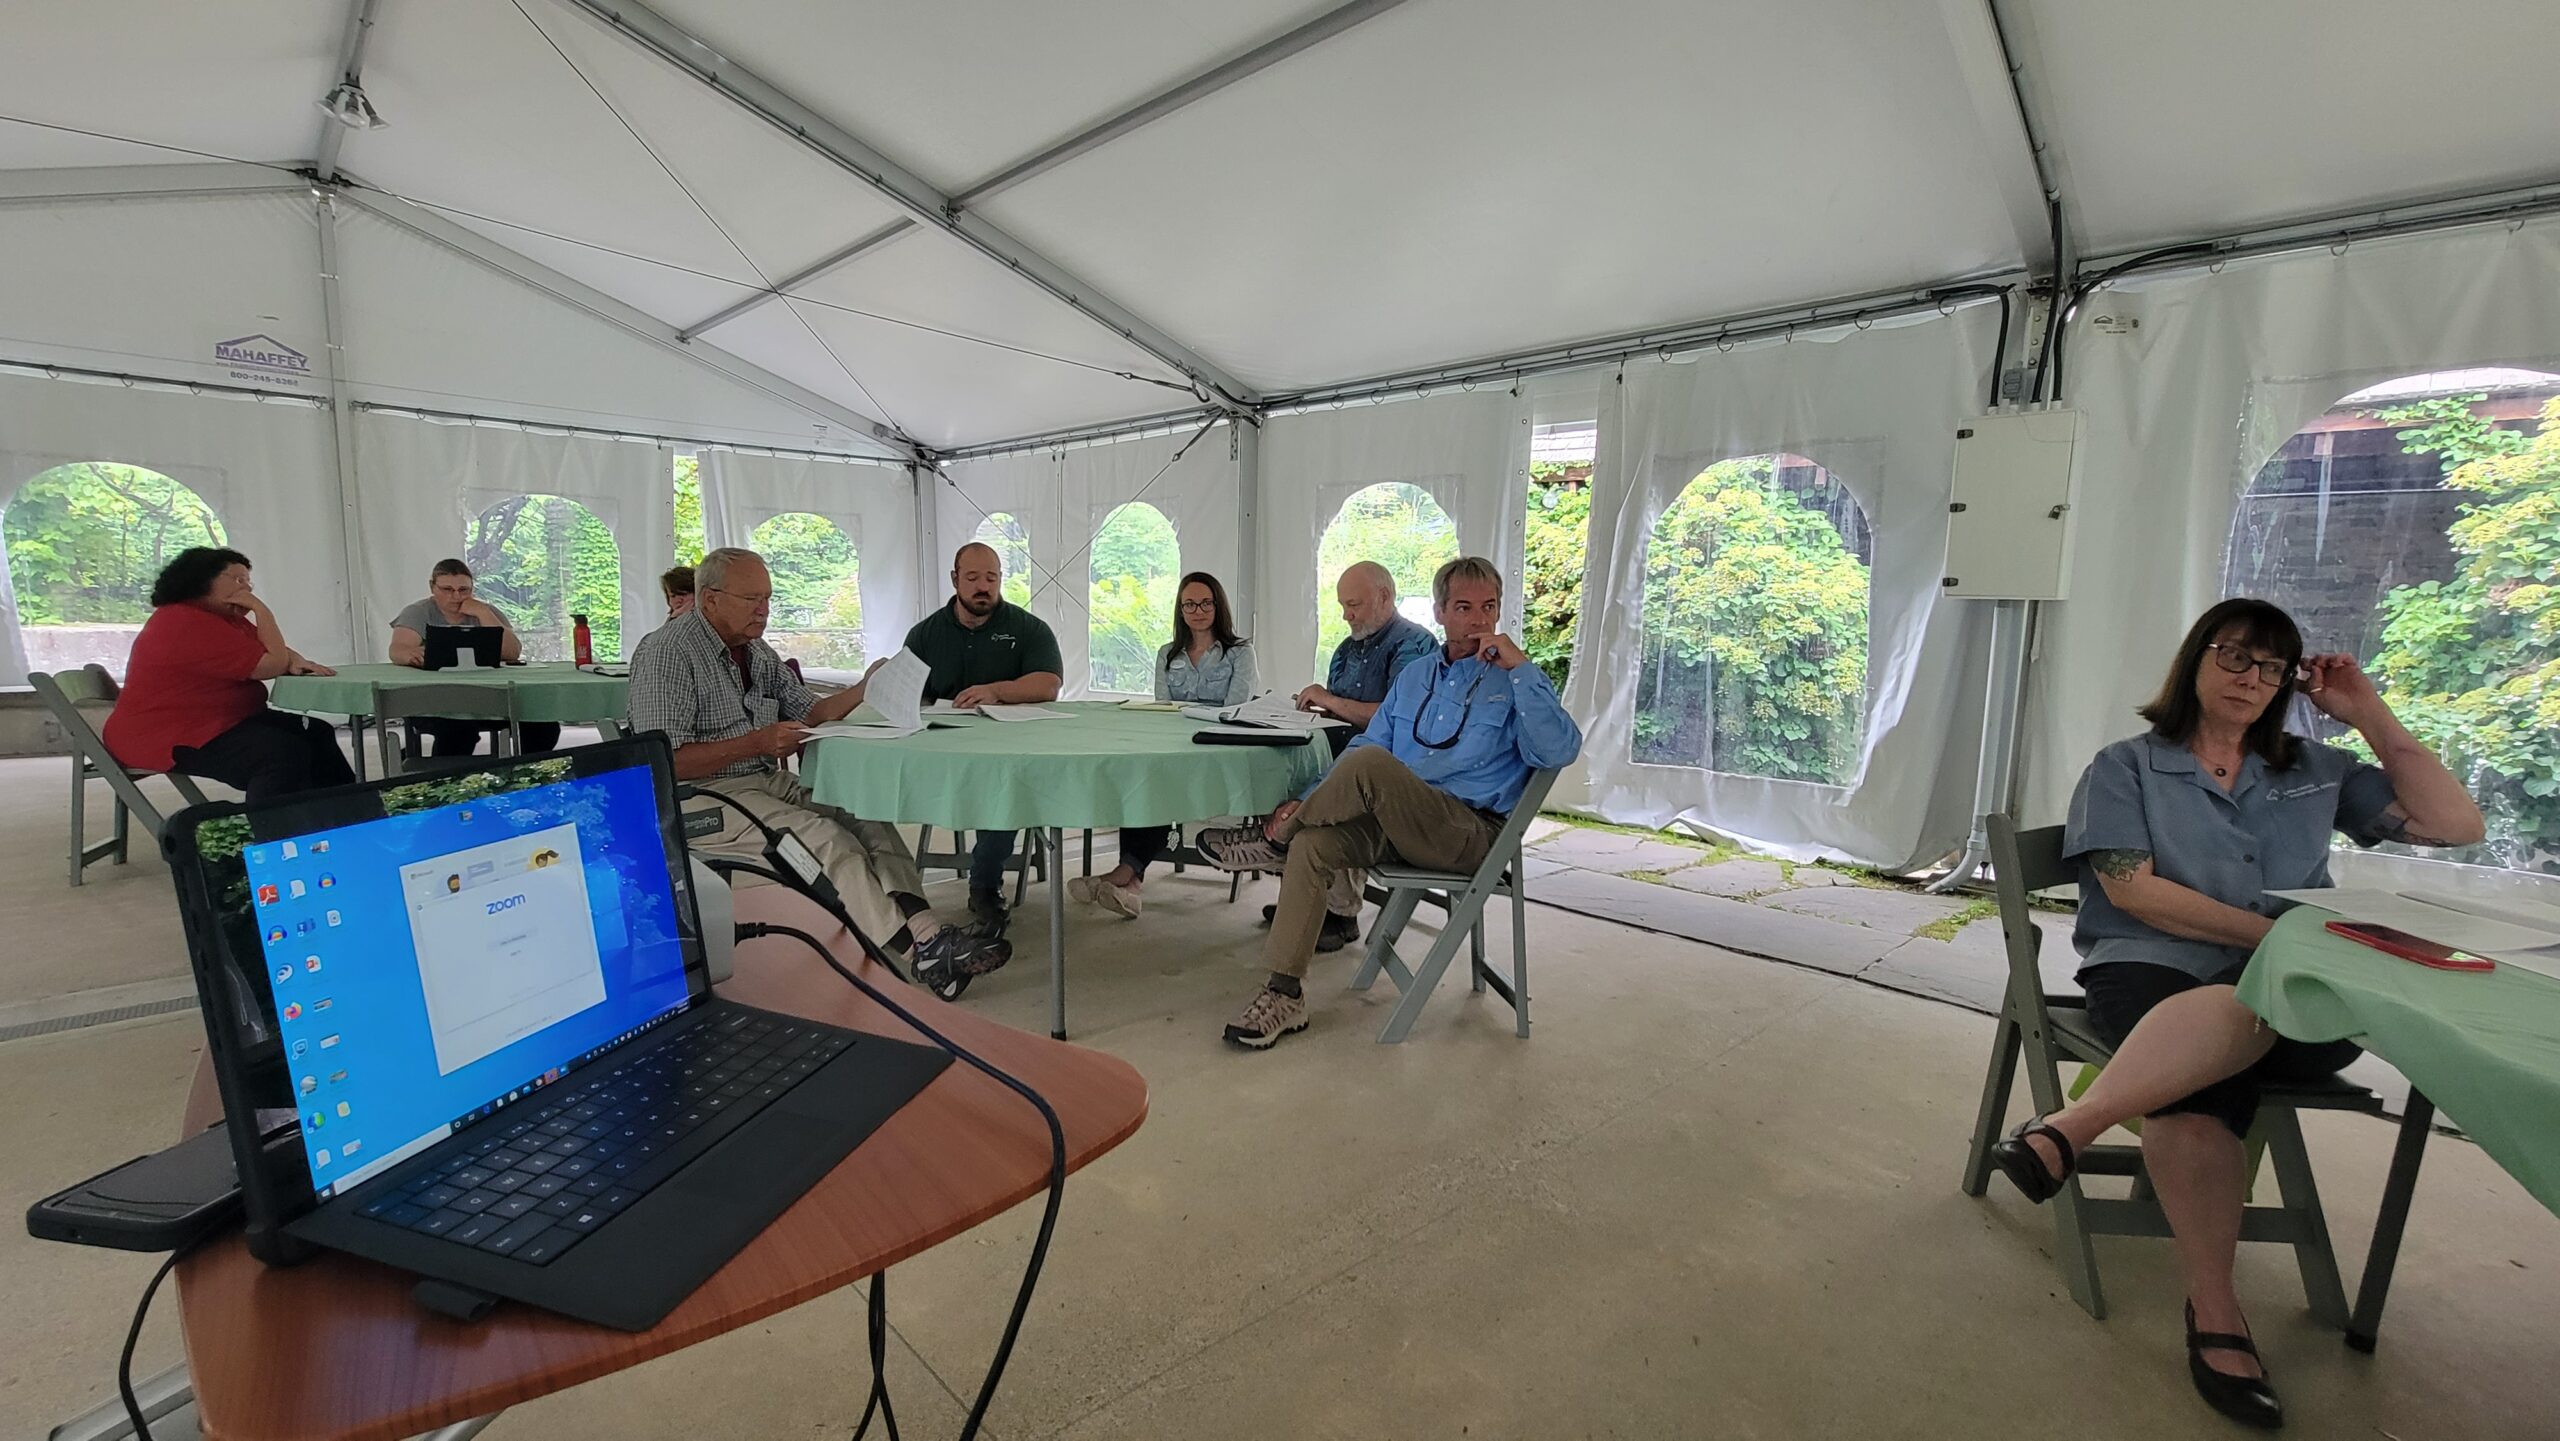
(430, 965)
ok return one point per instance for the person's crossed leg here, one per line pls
(1371, 808)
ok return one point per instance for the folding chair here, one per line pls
(443, 702)
(1029, 856)
(1464, 896)
(2052, 1031)
(64, 694)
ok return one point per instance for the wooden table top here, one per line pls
(334, 1348)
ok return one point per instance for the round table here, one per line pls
(544, 690)
(1103, 765)
(2486, 1047)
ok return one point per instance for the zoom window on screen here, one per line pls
(428, 965)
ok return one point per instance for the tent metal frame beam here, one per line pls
(832, 142)
(2514, 205)
(1163, 422)
(2014, 149)
(1040, 162)
(594, 432)
(583, 298)
(350, 72)
(70, 185)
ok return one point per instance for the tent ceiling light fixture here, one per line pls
(347, 105)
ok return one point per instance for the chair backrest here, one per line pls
(89, 685)
(64, 692)
(1506, 842)
(2024, 862)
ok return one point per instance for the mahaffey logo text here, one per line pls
(262, 353)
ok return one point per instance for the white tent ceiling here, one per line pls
(1447, 179)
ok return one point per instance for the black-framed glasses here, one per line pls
(1466, 704)
(2238, 661)
(1209, 605)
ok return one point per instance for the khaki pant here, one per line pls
(867, 860)
(1370, 809)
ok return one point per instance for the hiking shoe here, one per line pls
(1243, 848)
(954, 953)
(1098, 890)
(987, 915)
(1339, 931)
(1266, 1018)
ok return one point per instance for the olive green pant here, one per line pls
(1369, 809)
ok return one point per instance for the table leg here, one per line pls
(1056, 842)
(2397, 1191)
(355, 738)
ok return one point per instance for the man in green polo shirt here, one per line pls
(982, 649)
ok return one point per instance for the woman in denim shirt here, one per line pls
(1204, 664)
(2180, 835)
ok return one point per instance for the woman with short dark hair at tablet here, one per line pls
(2180, 833)
(194, 697)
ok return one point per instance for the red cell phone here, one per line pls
(2411, 948)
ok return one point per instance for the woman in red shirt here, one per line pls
(195, 699)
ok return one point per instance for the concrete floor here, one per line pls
(1714, 1197)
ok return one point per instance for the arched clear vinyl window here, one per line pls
(1400, 527)
(817, 590)
(1137, 561)
(542, 559)
(85, 542)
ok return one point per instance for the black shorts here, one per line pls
(2121, 993)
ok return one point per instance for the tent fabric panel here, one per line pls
(151, 287)
(1879, 410)
(875, 506)
(269, 471)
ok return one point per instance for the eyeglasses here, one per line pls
(753, 602)
(1208, 605)
(1466, 705)
(2238, 661)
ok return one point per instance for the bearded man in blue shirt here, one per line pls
(1430, 783)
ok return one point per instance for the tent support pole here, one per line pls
(1244, 446)
(342, 423)
(1995, 781)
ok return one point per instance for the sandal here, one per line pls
(2019, 1162)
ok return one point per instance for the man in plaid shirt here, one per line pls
(733, 712)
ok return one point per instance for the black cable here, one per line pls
(878, 1327)
(832, 902)
(2053, 308)
(1999, 352)
(1057, 1156)
(132, 1335)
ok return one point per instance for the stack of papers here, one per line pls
(895, 694)
(1266, 712)
(991, 711)
(1151, 705)
(2511, 930)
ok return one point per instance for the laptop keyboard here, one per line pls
(536, 1184)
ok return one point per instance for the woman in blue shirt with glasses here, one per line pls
(1206, 663)
(2180, 834)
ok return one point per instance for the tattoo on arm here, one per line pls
(2395, 825)
(2119, 865)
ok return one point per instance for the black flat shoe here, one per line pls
(2019, 1162)
(2248, 1400)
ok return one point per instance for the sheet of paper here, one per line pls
(1270, 712)
(2428, 919)
(854, 731)
(897, 690)
(1163, 705)
(1020, 713)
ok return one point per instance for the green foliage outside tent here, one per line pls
(543, 559)
(2472, 663)
(87, 540)
(1136, 568)
(1755, 632)
(817, 590)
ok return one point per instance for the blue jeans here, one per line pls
(987, 860)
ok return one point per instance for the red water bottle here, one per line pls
(582, 644)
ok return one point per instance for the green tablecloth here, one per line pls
(2484, 1047)
(1102, 766)
(545, 691)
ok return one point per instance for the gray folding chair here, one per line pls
(1465, 896)
(2052, 1031)
(64, 694)
(443, 702)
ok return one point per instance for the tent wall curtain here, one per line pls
(873, 505)
(1878, 409)
(1469, 451)
(2182, 412)
(267, 470)
(421, 483)
(1064, 498)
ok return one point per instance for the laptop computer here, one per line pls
(461, 1025)
(447, 644)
